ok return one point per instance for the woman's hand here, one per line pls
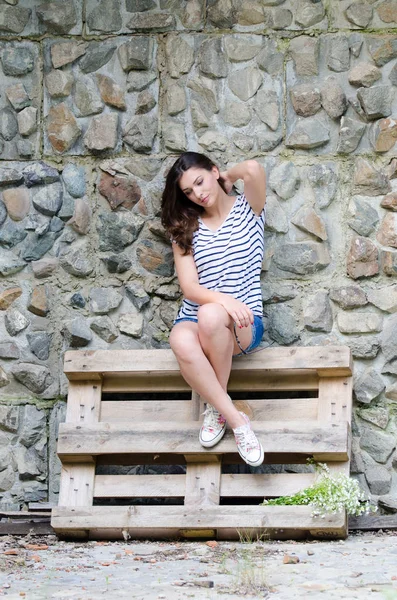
(241, 314)
(227, 181)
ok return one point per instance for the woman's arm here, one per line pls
(194, 291)
(254, 177)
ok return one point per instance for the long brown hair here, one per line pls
(179, 215)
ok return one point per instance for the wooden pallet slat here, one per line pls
(313, 421)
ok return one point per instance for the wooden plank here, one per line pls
(326, 360)
(26, 528)
(373, 522)
(139, 486)
(330, 441)
(84, 401)
(253, 380)
(124, 459)
(149, 518)
(202, 482)
(294, 409)
(77, 484)
(335, 399)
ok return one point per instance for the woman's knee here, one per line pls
(212, 317)
(184, 343)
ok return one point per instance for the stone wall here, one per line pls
(98, 98)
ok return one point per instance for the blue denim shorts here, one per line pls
(257, 333)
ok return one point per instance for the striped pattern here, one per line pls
(229, 259)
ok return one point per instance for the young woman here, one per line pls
(218, 249)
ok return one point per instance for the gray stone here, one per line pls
(87, 98)
(174, 136)
(105, 16)
(10, 264)
(379, 445)
(3, 213)
(8, 350)
(59, 83)
(240, 48)
(304, 51)
(67, 209)
(364, 74)
(359, 322)
(302, 258)
(117, 263)
(222, 14)
(206, 91)
(379, 480)
(8, 124)
(333, 98)
(364, 347)
(18, 96)
(349, 296)
(136, 53)
(213, 141)
(101, 134)
(145, 102)
(138, 296)
(103, 300)
(284, 180)
(350, 133)
(389, 503)
(76, 262)
(305, 99)
(118, 230)
(4, 379)
(309, 13)
(237, 114)
(144, 168)
(64, 53)
(56, 224)
(155, 257)
(140, 5)
(280, 293)
(35, 377)
(368, 386)
(246, 143)
(308, 133)
(9, 418)
(363, 258)
(37, 245)
(281, 18)
(318, 313)
(139, 80)
(377, 415)
(365, 217)
(356, 43)
(211, 58)
(17, 60)
(104, 327)
(29, 463)
(39, 344)
(245, 82)
(11, 234)
(382, 49)
(151, 21)
(7, 478)
(176, 99)
(98, 54)
(389, 339)
(58, 17)
(368, 181)
(15, 321)
(359, 13)
(25, 148)
(338, 58)
(77, 333)
(276, 219)
(131, 324)
(13, 19)
(33, 424)
(9, 176)
(39, 173)
(376, 101)
(309, 221)
(270, 59)
(48, 199)
(140, 132)
(169, 291)
(282, 325)
(324, 181)
(384, 298)
(77, 300)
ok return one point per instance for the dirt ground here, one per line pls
(39, 568)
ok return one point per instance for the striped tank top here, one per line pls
(229, 260)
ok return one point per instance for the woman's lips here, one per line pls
(204, 200)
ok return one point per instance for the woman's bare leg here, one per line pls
(199, 373)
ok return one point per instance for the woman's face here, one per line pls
(200, 186)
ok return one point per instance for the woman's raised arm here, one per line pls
(254, 177)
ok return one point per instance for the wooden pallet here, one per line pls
(300, 406)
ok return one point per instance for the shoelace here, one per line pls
(212, 418)
(247, 439)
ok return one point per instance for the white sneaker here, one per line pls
(213, 427)
(248, 445)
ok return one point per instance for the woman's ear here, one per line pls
(216, 171)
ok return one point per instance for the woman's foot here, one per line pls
(213, 427)
(248, 445)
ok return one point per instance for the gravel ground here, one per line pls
(39, 568)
